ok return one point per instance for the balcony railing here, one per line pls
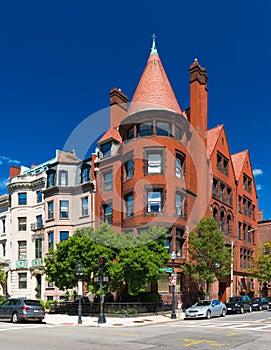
(37, 226)
(37, 262)
(21, 264)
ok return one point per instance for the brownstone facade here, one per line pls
(158, 165)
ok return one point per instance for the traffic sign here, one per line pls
(166, 269)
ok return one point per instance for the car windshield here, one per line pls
(203, 303)
(30, 302)
(232, 300)
(255, 300)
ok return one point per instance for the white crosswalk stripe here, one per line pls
(245, 325)
(7, 327)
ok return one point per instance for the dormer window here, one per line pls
(106, 149)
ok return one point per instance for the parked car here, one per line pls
(260, 303)
(269, 302)
(20, 309)
(206, 309)
(239, 304)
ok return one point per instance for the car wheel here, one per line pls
(260, 308)
(241, 310)
(208, 315)
(223, 313)
(14, 318)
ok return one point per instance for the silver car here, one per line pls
(206, 309)
(20, 309)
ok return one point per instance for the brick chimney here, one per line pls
(198, 99)
(14, 171)
(118, 107)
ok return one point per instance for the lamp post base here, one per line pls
(173, 315)
(101, 319)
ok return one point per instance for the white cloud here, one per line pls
(257, 172)
(259, 187)
(4, 183)
(8, 160)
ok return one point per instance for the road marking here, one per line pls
(125, 334)
(189, 342)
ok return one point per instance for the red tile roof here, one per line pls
(111, 134)
(238, 161)
(212, 137)
(154, 89)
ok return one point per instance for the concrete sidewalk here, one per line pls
(66, 320)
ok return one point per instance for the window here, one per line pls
(64, 209)
(22, 198)
(222, 163)
(22, 250)
(106, 149)
(221, 195)
(3, 225)
(163, 129)
(129, 205)
(179, 241)
(38, 248)
(63, 178)
(85, 174)
(214, 188)
(247, 183)
(154, 163)
(50, 285)
(39, 196)
(108, 181)
(50, 210)
(178, 203)
(3, 249)
(129, 169)
(22, 224)
(50, 240)
(130, 133)
(108, 213)
(145, 129)
(22, 278)
(177, 133)
(84, 206)
(154, 201)
(180, 165)
(51, 179)
(64, 235)
(229, 196)
(39, 222)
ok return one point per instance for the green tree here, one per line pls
(3, 278)
(60, 263)
(209, 257)
(262, 264)
(135, 261)
(139, 265)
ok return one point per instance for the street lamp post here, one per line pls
(79, 274)
(173, 313)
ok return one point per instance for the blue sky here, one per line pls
(59, 60)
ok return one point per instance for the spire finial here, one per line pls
(153, 49)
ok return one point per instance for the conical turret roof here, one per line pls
(154, 89)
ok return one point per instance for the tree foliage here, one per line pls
(3, 276)
(209, 257)
(129, 261)
(262, 264)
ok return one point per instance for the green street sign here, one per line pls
(166, 269)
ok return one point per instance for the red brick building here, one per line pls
(159, 165)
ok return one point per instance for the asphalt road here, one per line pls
(242, 332)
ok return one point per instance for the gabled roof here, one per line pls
(238, 160)
(154, 89)
(109, 135)
(212, 137)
